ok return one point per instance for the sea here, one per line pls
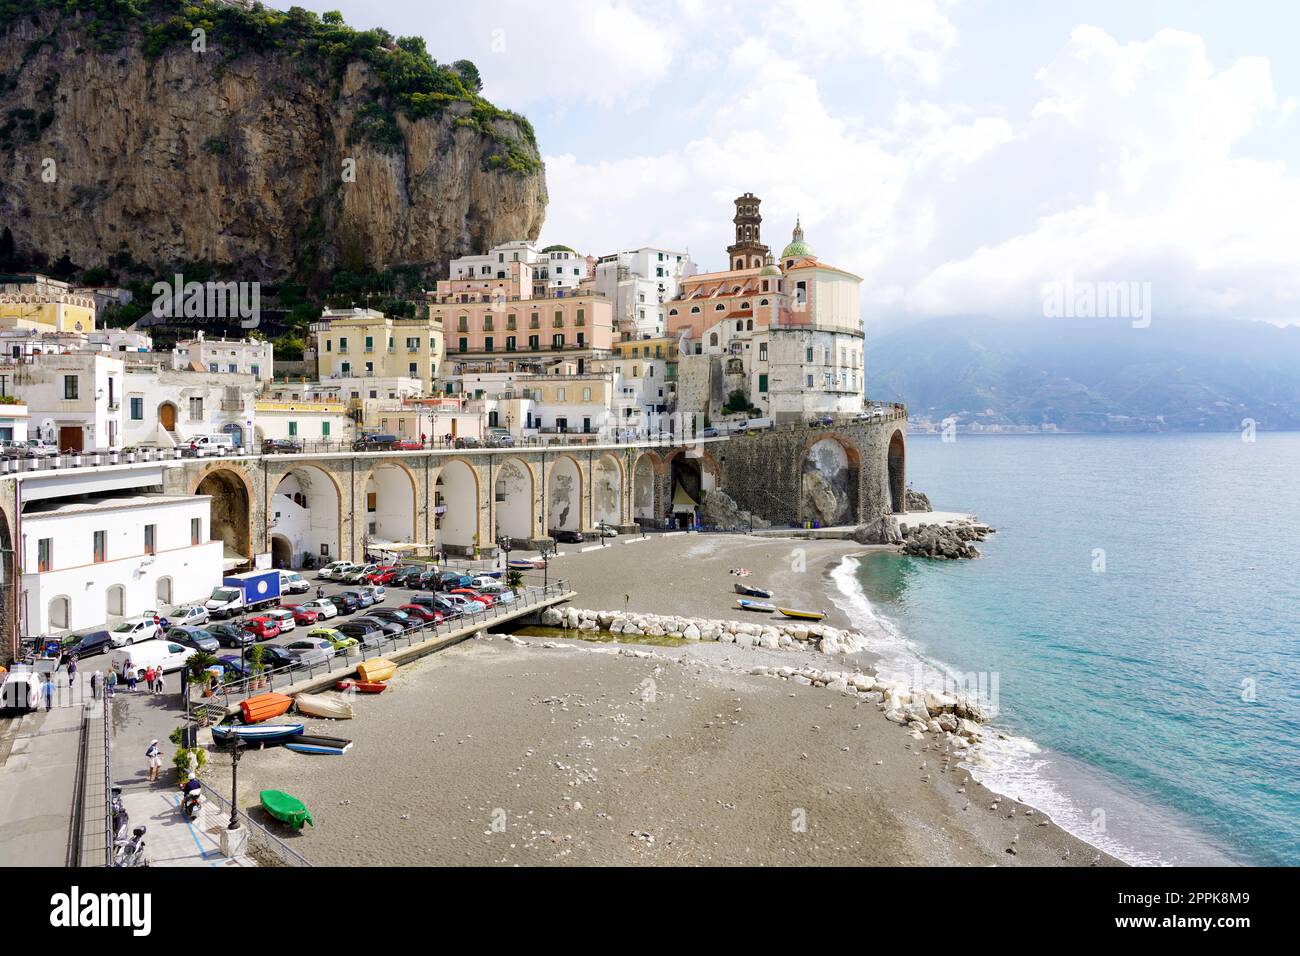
(1134, 626)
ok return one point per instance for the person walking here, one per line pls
(154, 754)
(129, 671)
(148, 679)
(110, 683)
(72, 670)
(157, 680)
(48, 688)
(94, 685)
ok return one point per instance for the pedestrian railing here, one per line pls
(258, 835)
(108, 785)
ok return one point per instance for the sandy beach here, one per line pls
(549, 752)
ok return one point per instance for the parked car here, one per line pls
(393, 615)
(500, 438)
(193, 616)
(283, 618)
(356, 573)
(235, 669)
(406, 577)
(709, 431)
(465, 605)
(480, 581)
(337, 639)
(271, 446)
(453, 579)
(468, 441)
(385, 627)
(344, 604)
(501, 592)
(406, 444)
(426, 614)
(822, 421)
(365, 634)
(606, 530)
(328, 571)
(291, 582)
(362, 598)
(382, 574)
(377, 592)
(486, 600)
(310, 650)
(274, 656)
(374, 443)
(322, 606)
(31, 448)
(231, 635)
(134, 630)
(437, 602)
(304, 615)
(87, 643)
(264, 627)
(194, 637)
(168, 655)
(567, 537)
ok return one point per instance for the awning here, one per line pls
(682, 501)
(229, 559)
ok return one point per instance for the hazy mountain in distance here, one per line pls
(1091, 374)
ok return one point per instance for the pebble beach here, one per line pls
(532, 750)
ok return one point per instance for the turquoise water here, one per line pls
(1164, 691)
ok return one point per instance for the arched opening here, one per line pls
(828, 483)
(305, 512)
(564, 496)
(607, 491)
(163, 591)
(513, 498)
(456, 507)
(687, 491)
(897, 474)
(281, 551)
(230, 514)
(643, 488)
(167, 416)
(390, 507)
(58, 612)
(115, 601)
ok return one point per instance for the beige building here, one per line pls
(44, 304)
(366, 343)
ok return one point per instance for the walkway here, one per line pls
(171, 840)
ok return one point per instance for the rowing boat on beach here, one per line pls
(264, 706)
(313, 744)
(286, 807)
(376, 669)
(802, 615)
(260, 733)
(322, 705)
(756, 606)
(750, 591)
(363, 686)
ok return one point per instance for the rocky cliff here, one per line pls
(269, 145)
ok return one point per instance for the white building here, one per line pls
(22, 343)
(517, 270)
(74, 400)
(232, 356)
(88, 560)
(169, 407)
(638, 283)
(13, 421)
(306, 421)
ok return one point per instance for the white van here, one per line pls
(291, 582)
(215, 444)
(160, 653)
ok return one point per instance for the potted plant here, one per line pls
(255, 655)
(198, 670)
(515, 579)
(186, 756)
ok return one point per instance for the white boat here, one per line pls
(756, 606)
(324, 705)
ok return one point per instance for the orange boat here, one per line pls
(376, 669)
(264, 707)
(363, 686)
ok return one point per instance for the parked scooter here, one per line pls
(131, 852)
(191, 798)
(120, 819)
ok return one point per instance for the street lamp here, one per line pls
(234, 784)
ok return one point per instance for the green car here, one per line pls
(340, 641)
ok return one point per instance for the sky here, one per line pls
(958, 155)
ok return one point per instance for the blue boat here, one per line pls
(309, 744)
(756, 606)
(261, 733)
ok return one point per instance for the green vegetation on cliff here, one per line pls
(411, 82)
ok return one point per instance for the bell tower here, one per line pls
(748, 251)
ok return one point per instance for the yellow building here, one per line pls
(45, 305)
(367, 343)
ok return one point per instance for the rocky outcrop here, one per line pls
(884, 531)
(944, 541)
(917, 501)
(249, 161)
(719, 510)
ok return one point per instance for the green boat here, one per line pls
(286, 807)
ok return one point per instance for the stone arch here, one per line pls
(391, 502)
(307, 512)
(456, 506)
(564, 495)
(281, 551)
(829, 471)
(58, 613)
(897, 466)
(646, 474)
(231, 508)
(163, 590)
(607, 491)
(514, 500)
(115, 601)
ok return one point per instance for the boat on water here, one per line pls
(264, 706)
(324, 705)
(363, 686)
(749, 591)
(312, 744)
(756, 606)
(802, 615)
(261, 733)
(287, 808)
(376, 669)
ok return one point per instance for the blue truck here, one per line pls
(241, 593)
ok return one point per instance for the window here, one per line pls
(510, 323)
(325, 429)
(559, 395)
(345, 368)
(488, 323)
(582, 339)
(213, 367)
(534, 342)
(810, 381)
(510, 343)
(412, 345)
(762, 351)
(45, 554)
(257, 370)
(196, 531)
(557, 340)
(151, 539)
(413, 370)
(582, 317)
(293, 429)
(462, 324)
(329, 345)
(463, 342)
(137, 409)
(101, 546)
(70, 386)
(810, 353)
(370, 343)
(196, 409)
(762, 382)
(343, 346)
(586, 394)
(559, 320)
(487, 344)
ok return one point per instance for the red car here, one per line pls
(263, 627)
(407, 444)
(382, 575)
(425, 614)
(486, 600)
(302, 615)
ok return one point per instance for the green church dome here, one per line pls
(797, 247)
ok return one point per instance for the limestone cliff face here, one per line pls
(242, 164)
